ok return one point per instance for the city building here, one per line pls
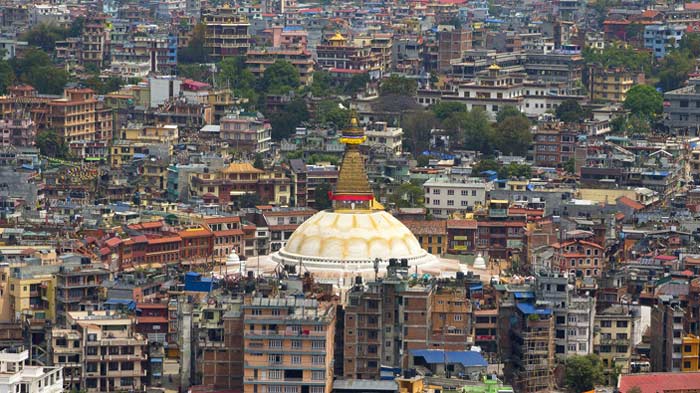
(662, 38)
(667, 320)
(380, 135)
(289, 344)
(610, 84)
(246, 132)
(446, 195)
(20, 377)
(226, 33)
(553, 144)
(682, 111)
(452, 43)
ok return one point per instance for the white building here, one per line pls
(379, 133)
(445, 195)
(16, 376)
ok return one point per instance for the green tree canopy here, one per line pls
(234, 74)
(280, 78)
(321, 85)
(7, 76)
(508, 111)
(46, 79)
(398, 85)
(407, 195)
(570, 111)
(416, 127)
(258, 163)
(356, 84)
(51, 145)
(691, 43)
(583, 373)
(45, 35)
(618, 55)
(674, 68)
(322, 201)
(444, 109)
(285, 122)
(472, 130)
(513, 136)
(328, 112)
(195, 51)
(645, 101)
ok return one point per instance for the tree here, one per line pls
(195, 51)
(487, 164)
(508, 111)
(7, 76)
(285, 122)
(422, 160)
(645, 101)
(356, 83)
(45, 35)
(249, 200)
(583, 373)
(691, 43)
(51, 145)
(514, 170)
(105, 86)
(570, 111)
(323, 202)
(258, 163)
(445, 109)
(234, 74)
(398, 85)
(198, 72)
(512, 135)
(46, 79)
(321, 84)
(570, 166)
(416, 127)
(674, 68)
(279, 78)
(407, 195)
(472, 130)
(328, 112)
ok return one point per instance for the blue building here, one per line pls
(661, 38)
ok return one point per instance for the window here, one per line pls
(450, 202)
(318, 345)
(318, 359)
(436, 191)
(275, 344)
(458, 317)
(606, 324)
(465, 192)
(274, 359)
(296, 344)
(276, 374)
(464, 203)
(296, 359)
(450, 192)
(473, 193)
(318, 375)
(622, 324)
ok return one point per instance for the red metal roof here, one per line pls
(630, 203)
(660, 382)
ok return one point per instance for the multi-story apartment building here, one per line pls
(581, 258)
(65, 350)
(220, 345)
(258, 60)
(289, 344)
(225, 185)
(662, 38)
(691, 353)
(614, 339)
(17, 131)
(228, 235)
(452, 43)
(246, 132)
(113, 354)
(78, 289)
(667, 319)
(20, 377)
(226, 33)
(682, 114)
(379, 134)
(446, 195)
(610, 84)
(306, 178)
(94, 40)
(553, 144)
(339, 54)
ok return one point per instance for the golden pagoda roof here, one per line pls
(337, 37)
(241, 167)
(494, 67)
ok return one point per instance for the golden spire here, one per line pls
(353, 190)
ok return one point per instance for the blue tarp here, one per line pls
(130, 304)
(524, 295)
(156, 360)
(437, 356)
(194, 282)
(527, 309)
(476, 287)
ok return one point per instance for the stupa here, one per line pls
(355, 237)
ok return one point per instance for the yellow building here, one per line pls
(613, 342)
(289, 342)
(431, 234)
(691, 353)
(33, 295)
(139, 139)
(610, 84)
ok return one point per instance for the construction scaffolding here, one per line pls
(534, 346)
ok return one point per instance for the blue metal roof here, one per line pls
(437, 356)
(527, 309)
(524, 295)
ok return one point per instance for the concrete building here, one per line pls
(226, 33)
(581, 258)
(246, 132)
(94, 40)
(290, 345)
(452, 43)
(258, 60)
(20, 377)
(78, 289)
(381, 135)
(445, 195)
(553, 144)
(682, 114)
(610, 84)
(661, 38)
(615, 337)
(220, 346)
(667, 320)
(114, 356)
(17, 131)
